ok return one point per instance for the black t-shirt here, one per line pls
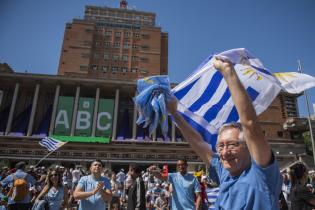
(300, 195)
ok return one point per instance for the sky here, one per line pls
(278, 32)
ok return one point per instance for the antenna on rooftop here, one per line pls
(123, 4)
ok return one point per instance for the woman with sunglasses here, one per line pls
(301, 196)
(55, 194)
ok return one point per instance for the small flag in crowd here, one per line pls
(51, 144)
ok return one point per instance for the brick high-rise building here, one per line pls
(114, 43)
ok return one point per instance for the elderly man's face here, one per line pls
(233, 152)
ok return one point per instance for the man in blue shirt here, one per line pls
(248, 173)
(185, 187)
(93, 191)
(23, 204)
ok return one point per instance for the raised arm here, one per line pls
(257, 145)
(194, 139)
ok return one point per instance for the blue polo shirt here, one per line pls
(256, 188)
(95, 202)
(183, 191)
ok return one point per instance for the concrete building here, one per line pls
(114, 43)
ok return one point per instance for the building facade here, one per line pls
(31, 104)
(114, 43)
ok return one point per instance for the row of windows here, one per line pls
(113, 69)
(119, 33)
(126, 45)
(118, 57)
(119, 14)
(120, 21)
(117, 45)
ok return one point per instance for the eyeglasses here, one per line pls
(233, 145)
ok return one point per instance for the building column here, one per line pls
(34, 106)
(134, 124)
(173, 131)
(75, 110)
(154, 135)
(12, 108)
(53, 114)
(115, 114)
(97, 99)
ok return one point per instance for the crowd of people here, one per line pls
(244, 167)
(59, 187)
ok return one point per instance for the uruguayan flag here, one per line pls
(51, 144)
(212, 194)
(205, 100)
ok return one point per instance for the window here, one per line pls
(124, 69)
(97, 43)
(280, 134)
(116, 44)
(134, 58)
(134, 70)
(135, 46)
(127, 34)
(116, 57)
(94, 67)
(117, 34)
(107, 44)
(83, 68)
(108, 33)
(96, 56)
(114, 69)
(126, 45)
(88, 30)
(145, 47)
(137, 35)
(106, 57)
(104, 68)
(125, 57)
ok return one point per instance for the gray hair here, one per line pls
(231, 125)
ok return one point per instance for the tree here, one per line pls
(308, 143)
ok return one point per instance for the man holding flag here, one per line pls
(248, 172)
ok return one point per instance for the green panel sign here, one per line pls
(104, 121)
(64, 116)
(81, 139)
(84, 119)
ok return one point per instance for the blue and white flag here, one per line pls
(51, 144)
(205, 100)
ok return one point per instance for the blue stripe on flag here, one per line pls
(233, 116)
(208, 92)
(207, 136)
(181, 93)
(214, 110)
(48, 142)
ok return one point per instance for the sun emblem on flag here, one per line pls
(148, 80)
(252, 73)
